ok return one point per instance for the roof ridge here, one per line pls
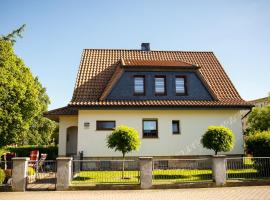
(183, 51)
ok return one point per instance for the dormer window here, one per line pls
(139, 85)
(160, 85)
(180, 85)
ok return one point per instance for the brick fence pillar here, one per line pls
(64, 172)
(146, 172)
(19, 173)
(219, 169)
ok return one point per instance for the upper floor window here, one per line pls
(175, 127)
(150, 128)
(139, 85)
(180, 85)
(160, 85)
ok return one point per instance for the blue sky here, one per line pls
(58, 30)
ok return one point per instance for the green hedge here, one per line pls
(259, 144)
(24, 151)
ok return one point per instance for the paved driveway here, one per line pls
(233, 193)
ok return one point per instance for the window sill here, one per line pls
(138, 94)
(181, 94)
(150, 137)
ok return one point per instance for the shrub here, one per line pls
(24, 151)
(218, 138)
(2, 176)
(31, 171)
(259, 144)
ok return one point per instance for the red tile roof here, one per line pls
(160, 63)
(98, 66)
(67, 110)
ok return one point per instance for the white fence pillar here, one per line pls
(219, 169)
(19, 173)
(146, 172)
(64, 172)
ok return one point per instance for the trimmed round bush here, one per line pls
(2, 176)
(218, 138)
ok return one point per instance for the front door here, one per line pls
(72, 140)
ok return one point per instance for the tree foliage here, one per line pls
(22, 99)
(125, 140)
(259, 119)
(11, 37)
(218, 138)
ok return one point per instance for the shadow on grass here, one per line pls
(81, 178)
(170, 176)
(248, 175)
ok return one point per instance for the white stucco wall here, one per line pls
(64, 123)
(193, 124)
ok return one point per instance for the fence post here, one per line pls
(146, 172)
(219, 169)
(64, 172)
(19, 173)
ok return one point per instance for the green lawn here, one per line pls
(159, 176)
(106, 177)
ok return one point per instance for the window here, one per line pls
(175, 127)
(139, 85)
(150, 128)
(180, 85)
(105, 125)
(160, 84)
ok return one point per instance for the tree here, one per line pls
(259, 119)
(218, 138)
(11, 37)
(22, 97)
(125, 140)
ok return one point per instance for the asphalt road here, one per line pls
(230, 193)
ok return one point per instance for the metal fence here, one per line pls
(182, 170)
(105, 172)
(6, 172)
(41, 175)
(245, 168)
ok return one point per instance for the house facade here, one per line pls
(169, 97)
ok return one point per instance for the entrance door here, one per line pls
(72, 140)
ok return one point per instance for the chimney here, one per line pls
(145, 46)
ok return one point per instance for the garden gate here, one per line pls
(41, 175)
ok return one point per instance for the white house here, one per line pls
(169, 97)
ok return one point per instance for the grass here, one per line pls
(106, 177)
(182, 175)
(159, 176)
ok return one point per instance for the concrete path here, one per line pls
(232, 193)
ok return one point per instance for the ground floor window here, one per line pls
(150, 128)
(105, 125)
